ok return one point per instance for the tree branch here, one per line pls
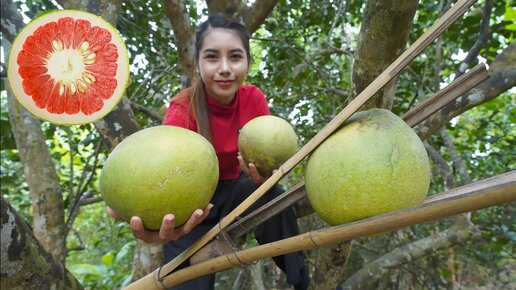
(257, 14)
(449, 179)
(458, 162)
(184, 34)
(503, 78)
(152, 114)
(364, 278)
(481, 41)
(231, 7)
(81, 193)
(155, 75)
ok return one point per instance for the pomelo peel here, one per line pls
(267, 142)
(374, 164)
(160, 170)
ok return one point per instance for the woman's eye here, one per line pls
(211, 56)
(236, 56)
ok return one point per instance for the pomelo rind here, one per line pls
(15, 80)
(383, 166)
(160, 170)
(267, 142)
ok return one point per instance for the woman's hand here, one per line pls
(167, 231)
(251, 171)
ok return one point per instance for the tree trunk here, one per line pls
(147, 258)
(383, 37)
(11, 20)
(47, 199)
(330, 264)
(25, 263)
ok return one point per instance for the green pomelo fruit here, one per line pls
(374, 164)
(68, 67)
(267, 142)
(160, 170)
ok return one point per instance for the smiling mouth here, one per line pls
(224, 84)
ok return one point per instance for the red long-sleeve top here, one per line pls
(225, 120)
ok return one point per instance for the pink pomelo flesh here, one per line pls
(68, 67)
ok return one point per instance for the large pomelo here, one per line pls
(68, 67)
(160, 170)
(372, 165)
(267, 142)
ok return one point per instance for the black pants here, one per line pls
(228, 195)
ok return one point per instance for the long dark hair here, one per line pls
(198, 102)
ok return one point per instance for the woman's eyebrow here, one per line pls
(236, 50)
(213, 50)
(210, 50)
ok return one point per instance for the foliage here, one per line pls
(106, 249)
(303, 62)
(155, 75)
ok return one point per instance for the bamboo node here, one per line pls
(234, 250)
(161, 279)
(313, 241)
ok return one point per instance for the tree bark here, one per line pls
(11, 20)
(330, 264)
(226, 6)
(147, 257)
(184, 34)
(383, 37)
(47, 199)
(254, 16)
(25, 263)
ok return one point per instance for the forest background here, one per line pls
(310, 58)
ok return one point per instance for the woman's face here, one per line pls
(223, 64)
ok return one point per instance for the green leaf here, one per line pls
(85, 269)
(107, 259)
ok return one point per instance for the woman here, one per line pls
(217, 106)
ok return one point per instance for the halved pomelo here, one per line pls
(68, 67)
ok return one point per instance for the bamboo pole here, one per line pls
(413, 117)
(153, 280)
(439, 100)
(493, 191)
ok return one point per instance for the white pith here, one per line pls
(67, 66)
(73, 76)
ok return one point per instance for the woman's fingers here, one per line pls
(255, 175)
(168, 231)
(113, 214)
(251, 170)
(138, 230)
(243, 166)
(196, 218)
